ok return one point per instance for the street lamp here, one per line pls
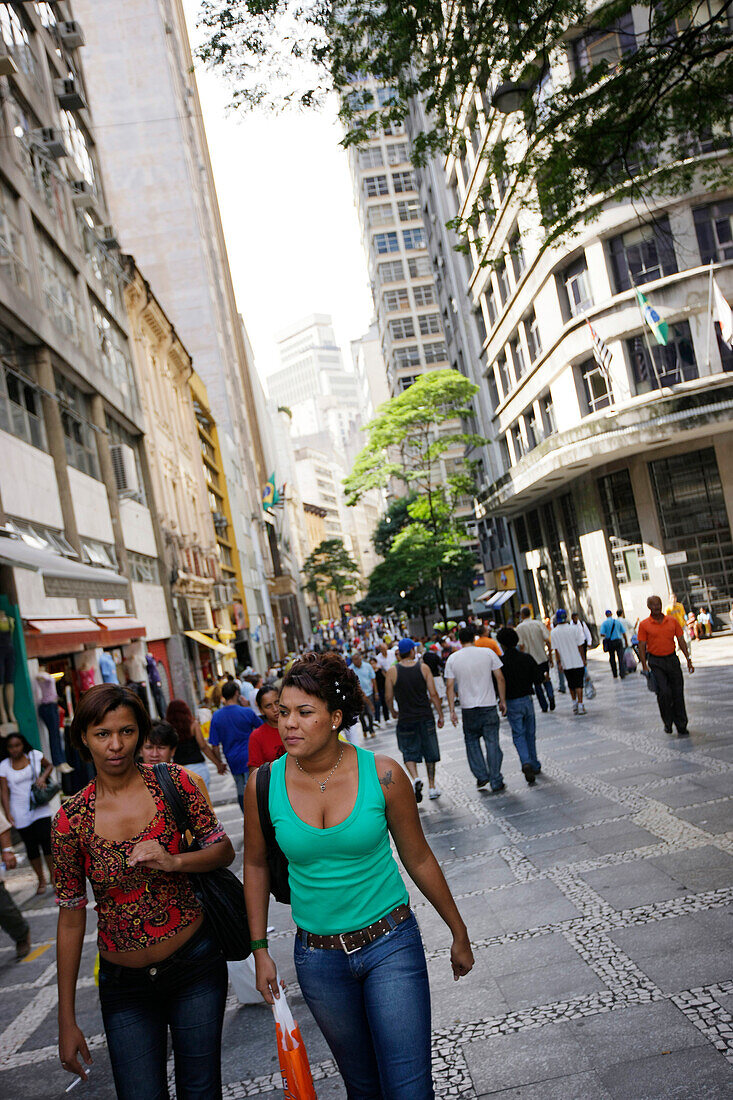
(510, 96)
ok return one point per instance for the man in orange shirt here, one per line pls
(484, 641)
(657, 636)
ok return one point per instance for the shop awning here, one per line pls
(500, 598)
(49, 637)
(487, 594)
(61, 576)
(118, 629)
(202, 639)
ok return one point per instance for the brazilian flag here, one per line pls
(269, 493)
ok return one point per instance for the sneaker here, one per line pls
(482, 784)
(417, 786)
(581, 708)
(575, 708)
(434, 792)
(501, 787)
(528, 773)
(23, 947)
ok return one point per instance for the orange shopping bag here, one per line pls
(294, 1065)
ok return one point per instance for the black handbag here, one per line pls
(220, 892)
(276, 860)
(41, 796)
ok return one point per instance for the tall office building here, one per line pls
(371, 373)
(616, 477)
(164, 205)
(312, 381)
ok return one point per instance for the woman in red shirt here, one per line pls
(265, 742)
(159, 964)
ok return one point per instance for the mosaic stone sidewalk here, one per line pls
(598, 902)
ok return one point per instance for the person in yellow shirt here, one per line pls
(677, 610)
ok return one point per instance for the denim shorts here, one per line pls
(417, 740)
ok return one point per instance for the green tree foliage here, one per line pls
(392, 522)
(638, 103)
(414, 439)
(329, 568)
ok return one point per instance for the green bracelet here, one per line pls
(255, 945)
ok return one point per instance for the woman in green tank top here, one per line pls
(358, 952)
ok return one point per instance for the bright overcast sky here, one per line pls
(291, 226)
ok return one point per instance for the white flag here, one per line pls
(723, 315)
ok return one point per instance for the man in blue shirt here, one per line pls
(367, 680)
(230, 727)
(614, 643)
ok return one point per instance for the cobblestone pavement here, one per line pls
(598, 902)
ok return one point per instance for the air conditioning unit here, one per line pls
(70, 34)
(220, 521)
(107, 236)
(51, 142)
(125, 469)
(69, 94)
(82, 195)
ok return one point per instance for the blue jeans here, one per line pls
(373, 1008)
(49, 712)
(545, 691)
(240, 782)
(520, 713)
(483, 722)
(187, 993)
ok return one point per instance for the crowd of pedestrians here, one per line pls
(331, 808)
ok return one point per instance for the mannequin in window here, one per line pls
(156, 688)
(108, 668)
(136, 671)
(47, 699)
(87, 671)
(7, 669)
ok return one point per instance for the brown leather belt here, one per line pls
(353, 941)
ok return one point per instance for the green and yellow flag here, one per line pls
(269, 493)
(659, 327)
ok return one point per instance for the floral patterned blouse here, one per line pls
(136, 906)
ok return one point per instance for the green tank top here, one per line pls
(345, 877)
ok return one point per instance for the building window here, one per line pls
(480, 326)
(398, 152)
(714, 228)
(406, 381)
(81, 445)
(435, 352)
(532, 333)
(517, 254)
(375, 185)
(506, 456)
(547, 410)
(402, 328)
(534, 530)
(392, 272)
(403, 181)
(572, 540)
(381, 213)
(606, 46)
(386, 95)
(505, 376)
(595, 390)
(518, 441)
(41, 537)
(17, 42)
(642, 255)
(520, 366)
(408, 210)
(413, 238)
(493, 390)
(13, 263)
(386, 242)
(667, 366)
(531, 433)
(429, 324)
(59, 283)
(143, 569)
(419, 267)
(78, 145)
(406, 357)
(395, 300)
(111, 344)
(20, 404)
(489, 299)
(621, 521)
(371, 157)
(502, 277)
(576, 285)
(98, 553)
(423, 295)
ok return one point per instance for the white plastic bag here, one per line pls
(242, 977)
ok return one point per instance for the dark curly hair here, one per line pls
(327, 677)
(99, 701)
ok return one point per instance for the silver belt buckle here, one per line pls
(343, 944)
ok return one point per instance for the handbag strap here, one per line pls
(262, 784)
(173, 798)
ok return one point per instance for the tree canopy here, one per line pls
(330, 569)
(613, 100)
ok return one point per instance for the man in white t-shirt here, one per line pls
(470, 670)
(567, 641)
(385, 659)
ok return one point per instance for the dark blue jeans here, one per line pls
(49, 712)
(544, 690)
(520, 713)
(187, 993)
(478, 723)
(373, 1008)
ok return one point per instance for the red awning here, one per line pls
(50, 637)
(118, 629)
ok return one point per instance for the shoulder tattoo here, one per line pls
(386, 780)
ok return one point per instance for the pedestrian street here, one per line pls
(597, 900)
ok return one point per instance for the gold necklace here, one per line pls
(321, 783)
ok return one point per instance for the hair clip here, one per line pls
(338, 688)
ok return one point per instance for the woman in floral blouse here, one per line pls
(160, 968)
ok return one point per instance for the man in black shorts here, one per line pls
(410, 684)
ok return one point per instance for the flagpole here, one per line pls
(710, 312)
(644, 329)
